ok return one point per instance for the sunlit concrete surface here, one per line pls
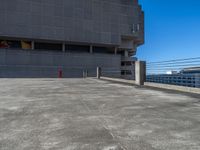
(90, 114)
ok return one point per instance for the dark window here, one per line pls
(126, 72)
(77, 48)
(48, 46)
(121, 53)
(14, 44)
(103, 50)
(126, 63)
(123, 72)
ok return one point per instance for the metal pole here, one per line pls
(98, 72)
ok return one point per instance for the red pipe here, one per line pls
(60, 73)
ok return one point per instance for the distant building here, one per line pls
(171, 72)
(37, 36)
(191, 70)
(187, 77)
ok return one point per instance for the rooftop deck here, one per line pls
(91, 114)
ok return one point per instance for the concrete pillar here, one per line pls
(115, 50)
(85, 73)
(98, 72)
(126, 53)
(32, 45)
(63, 47)
(140, 72)
(91, 49)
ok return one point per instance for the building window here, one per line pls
(77, 48)
(48, 46)
(126, 72)
(136, 28)
(105, 50)
(127, 63)
(15, 44)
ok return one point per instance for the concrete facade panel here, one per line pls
(64, 20)
(17, 63)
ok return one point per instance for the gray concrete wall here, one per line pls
(173, 87)
(155, 85)
(90, 21)
(19, 63)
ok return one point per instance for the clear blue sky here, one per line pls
(172, 30)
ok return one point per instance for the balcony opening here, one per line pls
(48, 46)
(106, 50)
(14, 44)
(77, 48)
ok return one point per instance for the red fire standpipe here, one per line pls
(60, 73)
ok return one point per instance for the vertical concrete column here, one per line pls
(32, 45)
(85, 73)
(115, 50)
(126, 53)
(140, 72)
(91, 49)
(63, 47)
(98, 72)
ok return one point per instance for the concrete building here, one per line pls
(191, 70)
(38, 36)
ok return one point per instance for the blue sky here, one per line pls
(172, 30)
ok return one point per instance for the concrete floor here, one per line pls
(90, 114)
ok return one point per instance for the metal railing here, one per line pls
(182, 72)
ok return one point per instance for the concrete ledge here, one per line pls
(173, 87)
(124, 81)
(155, 85)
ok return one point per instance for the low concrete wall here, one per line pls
(155, 85)
(124, 81)
(173, 87)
